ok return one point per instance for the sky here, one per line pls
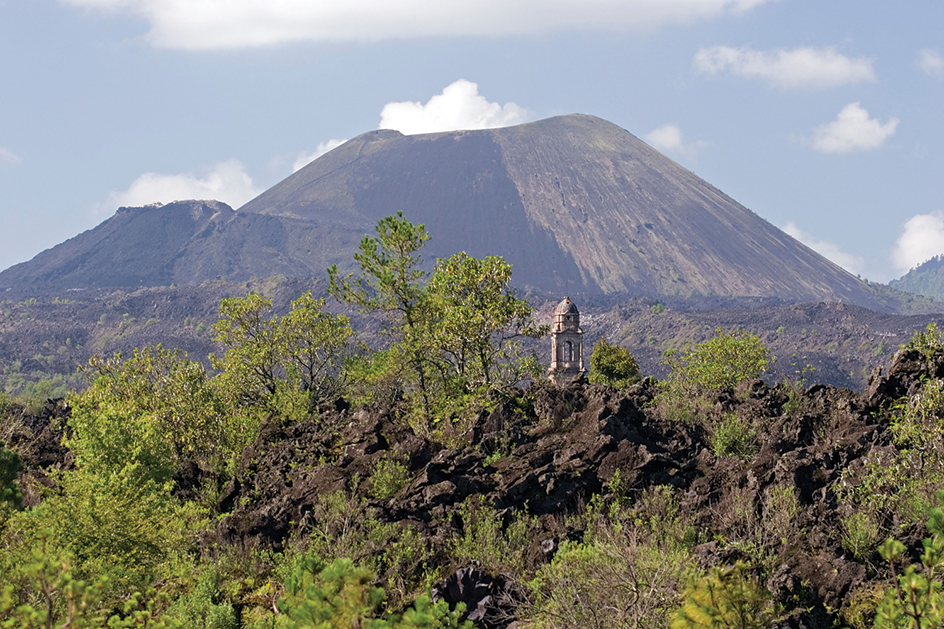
(824, 118)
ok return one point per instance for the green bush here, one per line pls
(51, 596)
(191, 413)
(860, 534)
(345, 526)
(342, 596)
(389, 477)
(725, 598)
(929, 342)
(916, 601)
(200, 609)
(612, 365)
(491, 541)
(721, 362)
(604, 584)
(114, 513)
(901, 485)
(628, 568)
(10, 466)
(733, 436)
(270, 357)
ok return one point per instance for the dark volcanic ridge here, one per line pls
(575, 203)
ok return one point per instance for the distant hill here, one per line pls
(925, 279)
(575, 203)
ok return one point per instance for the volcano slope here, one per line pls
(577, 205)
(574, 202)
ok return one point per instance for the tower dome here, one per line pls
(566, 306)
(566, 316)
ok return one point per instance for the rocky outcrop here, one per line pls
(569, 442)
(36, 436)
(546, 452)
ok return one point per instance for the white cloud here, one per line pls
(460, 106)
(306, 158)
(210, 24)
(922, 238)
(852, 131)
(931, 62)
(225, 181)
(669, 137)
(830, 250)
(9, 158)
(800, 68)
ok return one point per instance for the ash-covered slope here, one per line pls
(185, 242)
(576, 203)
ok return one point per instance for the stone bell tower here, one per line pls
(566, 343)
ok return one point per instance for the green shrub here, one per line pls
(193, 414)
(624, 581)
(916, 600)
(721, 362)
(929, 342)
(628, 568)
(197, 609)
(725, 598)
(342, 596)
(733, 436)
(10, 466)
(860, 535)
(780, 512)
(299, 353)
(376, 377)
(612, 365)
(491, 541)
(389, 477)
(902, 484)
(344, 526)
(51, 596)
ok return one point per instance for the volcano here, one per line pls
(577, 204)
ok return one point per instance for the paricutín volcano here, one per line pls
(575, 203)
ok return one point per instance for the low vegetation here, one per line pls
(307, 479)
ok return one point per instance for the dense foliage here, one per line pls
(133, 526)
(612, 365)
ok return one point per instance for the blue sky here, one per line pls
(825, 118)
